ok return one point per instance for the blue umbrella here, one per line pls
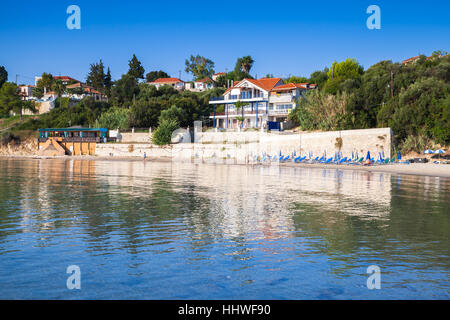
(429, 151)
(368, 155)
(439, 152)
(399, 156)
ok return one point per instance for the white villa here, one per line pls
(26, 92)
(173, 82)
(269, 101)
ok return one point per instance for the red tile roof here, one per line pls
(65, 78)
(204, 80)
(167, 80)
(410, 59)
(290, 86)
(264, 83)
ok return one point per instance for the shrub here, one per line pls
(6, 137)
(163, 134)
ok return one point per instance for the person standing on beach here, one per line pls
(145, 156)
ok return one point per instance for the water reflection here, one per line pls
(234, 219)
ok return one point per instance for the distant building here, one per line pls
(217, 75)
(26, 92)
(173, 82)
(268, 103)
(84, 91)
(199, 85)
(414, 59)
(64, 79)
(75, 140)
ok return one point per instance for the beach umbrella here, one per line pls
(368, 155)
(429, 151)
(439, 152)
(399, 157)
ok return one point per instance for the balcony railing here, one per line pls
(247, 113)
(242, 96)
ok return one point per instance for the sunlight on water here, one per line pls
(188, 231)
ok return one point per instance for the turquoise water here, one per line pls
(195, 231)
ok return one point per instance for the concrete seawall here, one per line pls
(238, 146)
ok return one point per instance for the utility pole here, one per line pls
(17, 79)
(179, 72)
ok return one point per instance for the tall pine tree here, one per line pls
(96, 76)
(136, 69)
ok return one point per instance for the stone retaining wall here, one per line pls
(238, 146)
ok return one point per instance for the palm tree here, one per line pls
(22, 105)
(245, 64)
(59, 88)
(240, 106)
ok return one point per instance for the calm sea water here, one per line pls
(187, 231)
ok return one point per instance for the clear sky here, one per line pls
(283, 37)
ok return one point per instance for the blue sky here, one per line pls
(284, 37)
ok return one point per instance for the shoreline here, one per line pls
(416, 169)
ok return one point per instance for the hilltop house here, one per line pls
(173, 82)
(26, 92)
(80, 90)
(200, 85)
(269, 101)
(217, 75)
(414, 59)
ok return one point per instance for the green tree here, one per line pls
(200, 67)
(124, 91)
(145, 113)
(347, 69)
(153, 75)
(59, 88)
(295, 79)
(37, 92)
(163, 134)
(3, 75)
(320, 111)
(240, 107)
(115, 118)
(135, 68)
(244, 64)
(96, 76)
(45, 82)
(10, 100)
(107, 82)
(319, 77)
(176, 113)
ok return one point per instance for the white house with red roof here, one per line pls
(173, 82)
(81, 90)
(203, 84)
(268, 103)
(217, 75)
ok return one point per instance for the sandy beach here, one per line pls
(418, 169)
